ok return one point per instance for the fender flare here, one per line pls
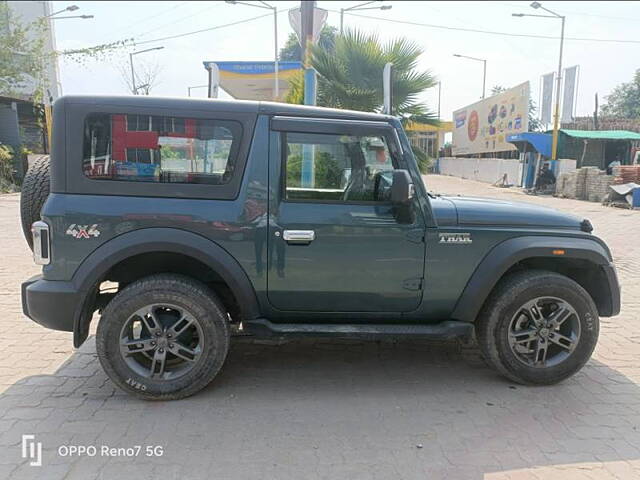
(506, 254)
(148, 240)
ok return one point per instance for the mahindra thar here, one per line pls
(177, 223)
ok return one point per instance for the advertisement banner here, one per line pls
(483, 126)
(569, 94)
(547, 97)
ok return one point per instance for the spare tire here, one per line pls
(35, 190)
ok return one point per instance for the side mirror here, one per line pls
(402, 189)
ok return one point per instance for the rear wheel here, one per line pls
(163, 337)
(538, 327)
(34, 192)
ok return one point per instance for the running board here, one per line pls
(449, 329)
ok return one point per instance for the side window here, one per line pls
(146, 148)
(339, 168)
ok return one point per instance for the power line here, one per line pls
(489, 32)
(147, 19)
(185, 34)
(180, 19)
(217, 27)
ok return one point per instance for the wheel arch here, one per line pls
(586, 261)
(168, 241)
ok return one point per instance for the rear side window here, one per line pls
(151, 148)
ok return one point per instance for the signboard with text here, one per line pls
(483, 126)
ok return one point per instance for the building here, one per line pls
(576, 149)
(251, 80)
(429, 138)
(599, 148)
(603, 123)
(20, 122)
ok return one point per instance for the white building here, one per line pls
(32, 11)
(19, 123)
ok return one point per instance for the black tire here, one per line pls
(494, 328)
(166, 289)
(34, 192)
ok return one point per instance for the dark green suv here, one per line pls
(184, 222)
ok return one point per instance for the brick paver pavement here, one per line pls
(329, 409)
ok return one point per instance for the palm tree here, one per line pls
(350, 76)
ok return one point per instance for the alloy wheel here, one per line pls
(161, 342)
(544, 332)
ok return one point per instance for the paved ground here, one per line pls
(312, 410)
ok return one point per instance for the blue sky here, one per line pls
(511, 60)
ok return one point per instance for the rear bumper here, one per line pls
(52, 304)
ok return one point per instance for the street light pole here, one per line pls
(84, 17)
(556, 114)
(361, 6)
(276, 83)
(70, 8)
(133, 76)
(439, 97)
(484, 78)
(134, 90)
(484, 70)
(276, 89)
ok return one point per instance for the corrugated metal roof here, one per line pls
(602, 134)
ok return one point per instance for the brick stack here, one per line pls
(626, 174)
(587, 183)
(571, 184)
(597, 184)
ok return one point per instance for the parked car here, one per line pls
(244, 222)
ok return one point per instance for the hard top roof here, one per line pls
(245, 106)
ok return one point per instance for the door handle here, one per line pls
(299, 236)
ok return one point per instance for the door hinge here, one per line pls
(412, 284)
(416, 235)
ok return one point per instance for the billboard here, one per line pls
(483, 126)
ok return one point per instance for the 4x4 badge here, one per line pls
(455, 238)
(83, 231)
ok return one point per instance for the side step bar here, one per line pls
(449, 329)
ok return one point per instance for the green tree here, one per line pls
(624, 100)
(350, 77)
(6, 166)
(534, 123)
(22, 57)
(293, 52)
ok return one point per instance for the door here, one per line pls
(335, 244)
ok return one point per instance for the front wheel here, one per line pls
(538, 327)
(163, 337)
